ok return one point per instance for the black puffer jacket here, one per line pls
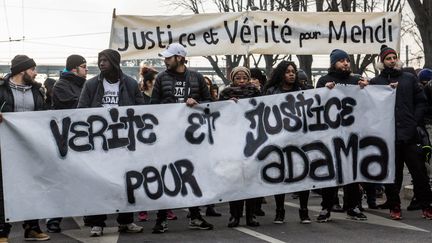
(7, 103)
(163, 90)
(333, 76)
(410, 103)
(67, 90)
(93, 91)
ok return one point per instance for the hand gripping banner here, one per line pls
(127, 159)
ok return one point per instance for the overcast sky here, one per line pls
(54, 29)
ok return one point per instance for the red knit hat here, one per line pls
(385, 50)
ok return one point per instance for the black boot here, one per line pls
(280, 216)
(251, 221)
(233, 222)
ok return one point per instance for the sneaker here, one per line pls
(130, 228)
(160, 227)
(35, 234)
(427, 213)
(324, 216)
(356, 214)
(143, 216)
(396, 213)
(96, 231)
(171, 215)
(280, 216)
(200, 223)
(4, 232)
(304, 216)
(53, 227)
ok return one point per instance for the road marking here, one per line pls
(258, 235)
(372, 219)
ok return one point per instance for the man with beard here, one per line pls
(67, 89)
(111, 88)
(20, 92)
(340, 74)
(65, 95)
(409, 113)
(178, 84)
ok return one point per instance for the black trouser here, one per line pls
(99, 220)
(193, 211)
(303, 198)
(328, 197)
(236, 208)
(411, 155)
(351, 196)
(370, 189)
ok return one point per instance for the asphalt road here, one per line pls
(378, 228)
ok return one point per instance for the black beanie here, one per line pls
(385, 50)
(336, 55)
(73, 61)
(21, 63)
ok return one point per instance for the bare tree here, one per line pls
(423, 14)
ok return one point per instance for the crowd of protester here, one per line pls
(178, 84)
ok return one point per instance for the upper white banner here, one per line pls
(257, 32)
(126, 159)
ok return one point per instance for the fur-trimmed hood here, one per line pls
(380, 65)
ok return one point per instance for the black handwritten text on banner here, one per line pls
(256, 32)
(126, 159)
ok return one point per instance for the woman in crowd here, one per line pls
(284, 79)
(241, 87)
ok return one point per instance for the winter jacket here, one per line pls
(7, 99)
(93, 92)
(195, 86)
(410, 103)
(277, 90)
(67, 90)
(338, 79)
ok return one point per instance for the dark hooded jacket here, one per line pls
(163, 89)
(338, 78)
(410, 102)
(93, 90)
(67, 90)
(7, 103)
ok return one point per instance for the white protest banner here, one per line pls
(256, 32)
(125, 159)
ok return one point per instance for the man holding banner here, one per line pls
(178, 84)
(111, 88)
(20, 92)
(340, 74)
(409, 112)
